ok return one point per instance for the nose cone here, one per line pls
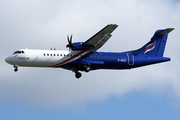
(8, 60)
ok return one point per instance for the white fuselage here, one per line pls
(43, 58)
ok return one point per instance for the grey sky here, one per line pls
(44, 24)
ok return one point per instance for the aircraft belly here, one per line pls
(97, 64)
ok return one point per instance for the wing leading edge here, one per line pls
(100, 38)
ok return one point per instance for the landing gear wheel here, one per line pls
(78, 74)
(87, 69)
(15, 70)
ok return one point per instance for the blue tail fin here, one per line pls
(156, 45)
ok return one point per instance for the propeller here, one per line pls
(70, 45)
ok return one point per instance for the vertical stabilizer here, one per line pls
(157, 44)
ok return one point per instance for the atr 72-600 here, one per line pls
(83, 56)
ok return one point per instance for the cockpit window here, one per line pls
(15, 52)
(18, 52)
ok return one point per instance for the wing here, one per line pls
(100, 38)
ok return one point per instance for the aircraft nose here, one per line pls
(8, 59)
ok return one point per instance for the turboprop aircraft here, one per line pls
(83, 56)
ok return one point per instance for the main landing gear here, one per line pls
(15, 68)
(85, 67)
(78, 74)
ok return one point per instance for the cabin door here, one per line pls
(130, 59)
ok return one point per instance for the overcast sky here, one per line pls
(42, 24)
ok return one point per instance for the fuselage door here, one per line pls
(130, 59)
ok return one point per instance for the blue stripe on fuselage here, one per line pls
(113, 60)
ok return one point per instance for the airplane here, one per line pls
(83, 56)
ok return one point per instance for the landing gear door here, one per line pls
(130, 59)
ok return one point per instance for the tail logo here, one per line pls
(150, 47)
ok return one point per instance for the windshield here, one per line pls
(18, 52)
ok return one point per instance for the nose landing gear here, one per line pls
(15, 68)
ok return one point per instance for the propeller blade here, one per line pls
(71, 39)
(70, 45)
(68, 39)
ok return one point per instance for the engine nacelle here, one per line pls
(80, 46)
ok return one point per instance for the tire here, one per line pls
(15, 70)
(87, 69)
(78, 75)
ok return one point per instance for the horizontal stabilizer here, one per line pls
(166, 31)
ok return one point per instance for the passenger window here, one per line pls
(91, 56)
(22, 51)
(19, 52)
(57, 54)
(51, 54)
(114, 56)
(64, 55)
(105, 56)
(101, 56)
(44, 54)
(61, 54)
(111, 56)
(121, 57)
(54, 54)
(108, 56)
(125, 57)
(47, 54)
